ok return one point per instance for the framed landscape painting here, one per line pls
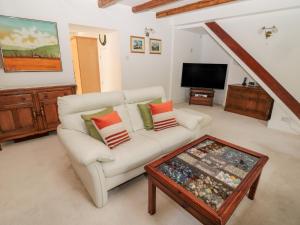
(155, 46)
(137, 44)
(29, 45)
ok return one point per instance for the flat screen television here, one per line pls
(203, 75)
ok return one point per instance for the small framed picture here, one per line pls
(155, 46)
(137, 44)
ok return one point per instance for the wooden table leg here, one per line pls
(253, 188)
(151, 196)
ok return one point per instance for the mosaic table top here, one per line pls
(209, 170)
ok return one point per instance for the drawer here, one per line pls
(53, 94)
(6, 100)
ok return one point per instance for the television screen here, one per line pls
(203, 75)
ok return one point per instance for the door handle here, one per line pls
(42, 111)
(34, 114)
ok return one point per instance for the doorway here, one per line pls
(86, 64)
(97, 66)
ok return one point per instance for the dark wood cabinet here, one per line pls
(201, 96)
(249, 101)
(29, 111)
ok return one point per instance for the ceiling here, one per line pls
(167, 6)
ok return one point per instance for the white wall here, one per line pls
(136, 69)
(280, 120)
(187, 48)
(278, 54)
(212, 52)
(200, 47)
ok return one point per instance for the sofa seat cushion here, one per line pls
(169, 139)
(132, 154)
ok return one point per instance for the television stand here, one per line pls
(201, 96)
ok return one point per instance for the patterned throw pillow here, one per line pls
(163, 115)
(89, 124)
(111, 129)
(146, 114)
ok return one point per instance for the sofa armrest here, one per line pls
(186, 119)
(83, 148)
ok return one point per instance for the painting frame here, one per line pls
(135, 46)
(1, 59)
(152, 49)
(44, 57)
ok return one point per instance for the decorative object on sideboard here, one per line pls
(34, 46)
(269, 31)
(252, 84)
(103, 43)
(155, 46)
(137, 44)
(244, 81)
(148, 31)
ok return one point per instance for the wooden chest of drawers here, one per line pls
(249, 101)
(29, 111)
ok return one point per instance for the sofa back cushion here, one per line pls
(81, 103)
(70, 108)
(141, 96)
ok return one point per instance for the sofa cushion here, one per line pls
(169, 139)
(75, 122)
(111, 129)
(137, 152)
(140, 96)
(72, 104)
(123, 113)
(146, 113)
(144, 94)
(92, 131)
(135, 116)
(163, 115)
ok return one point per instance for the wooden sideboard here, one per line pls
(30, 111)
(249, 101)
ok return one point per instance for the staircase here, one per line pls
(262, 75)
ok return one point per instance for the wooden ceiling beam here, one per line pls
(105, 3)
(150, 5)
(190, 7)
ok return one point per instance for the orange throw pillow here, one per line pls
(111, 129)
(163, 115)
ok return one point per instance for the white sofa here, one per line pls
(101, 169)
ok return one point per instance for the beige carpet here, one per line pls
(39, 187)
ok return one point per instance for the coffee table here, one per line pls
(208, 177)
